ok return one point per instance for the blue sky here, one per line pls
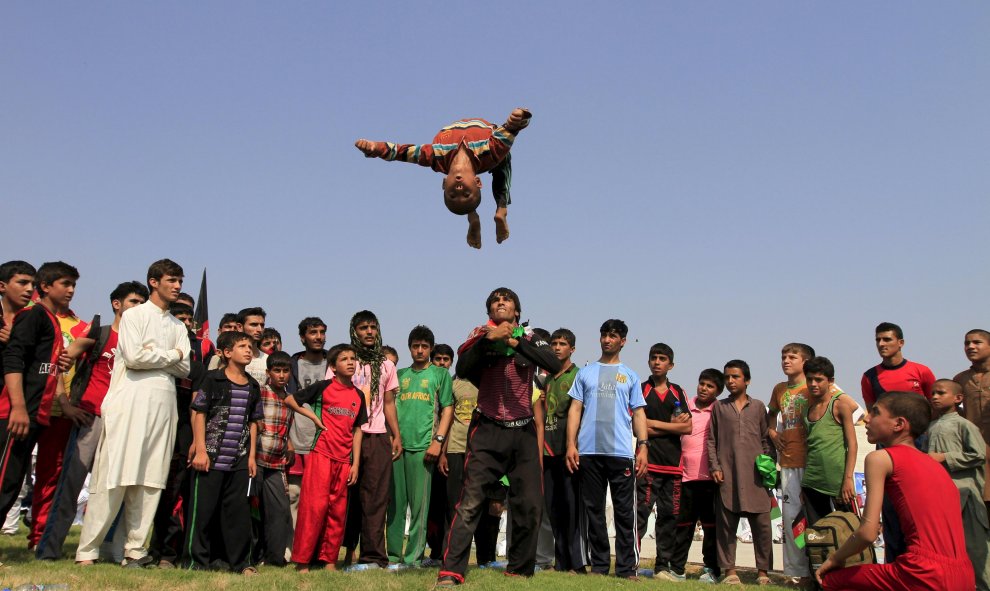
(725, 177)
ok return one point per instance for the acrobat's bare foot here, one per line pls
(501, 224)
(518, 120)
(474, 230)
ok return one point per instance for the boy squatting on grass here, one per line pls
(461, 151)
(925, 500)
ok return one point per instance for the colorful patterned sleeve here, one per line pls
(421, 154)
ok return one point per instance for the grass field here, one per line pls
(20, 567)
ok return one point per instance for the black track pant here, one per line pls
(15, 462)
(697, 504)
(220, 498)
(494, 451)
(664, 491)
(598, 473)
(486, 534)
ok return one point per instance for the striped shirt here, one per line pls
(487, 145)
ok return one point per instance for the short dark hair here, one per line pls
(801, 349)
(614, 325)
(713, 375)
(390, 349)
(890, 327)
(421, 333)
(185, 297)
(229, 317)
(127, 288)
(308, 322)
(279, 359)
(503, 291)
(738, 364)
(985, 333)
(820, 365)
(11, 268)
(364, 316)
(910, 406)
(662, 349)
(255, 311)
(163, 267)
(176, 308)
(564, 333)
(954, 386)
(270, 332)
(542, 334)
(228, 339)
(49, 273)
(336, 350)
(443, 349)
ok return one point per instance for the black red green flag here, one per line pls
(202, 314)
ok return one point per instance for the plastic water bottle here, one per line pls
(678, 411)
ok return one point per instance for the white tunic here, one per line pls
(139, 411)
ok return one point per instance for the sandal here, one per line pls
(732, 580)
(763, 581)
(249, 571)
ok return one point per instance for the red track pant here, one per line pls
(322, 510)
(51, 451)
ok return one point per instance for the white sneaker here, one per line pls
(669, 575)
(708, 577)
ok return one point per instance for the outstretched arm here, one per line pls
(416, 153)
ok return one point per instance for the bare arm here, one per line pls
(846, 407)
(436, 448)
(200, 461)
(878, 468)
(306, 412)
(573, 426)
(18, 422)
(639, 428)
(392, 420)
(252, 450)
(352, 474)
(539, 417)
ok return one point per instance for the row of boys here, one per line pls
(218, 446)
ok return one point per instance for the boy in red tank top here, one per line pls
(935, 555)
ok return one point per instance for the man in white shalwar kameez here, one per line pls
(139, 420)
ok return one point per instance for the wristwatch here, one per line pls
(640, 442)
(440, 438)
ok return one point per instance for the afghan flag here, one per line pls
(202, 315)
(774, 507)
(797, 528)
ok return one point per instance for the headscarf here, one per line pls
(371, 356)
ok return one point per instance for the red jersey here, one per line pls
(342, 409)
(907, 376)
(99, 380)
(927, 504)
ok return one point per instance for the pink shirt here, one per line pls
(389, 380)
(694, 456)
